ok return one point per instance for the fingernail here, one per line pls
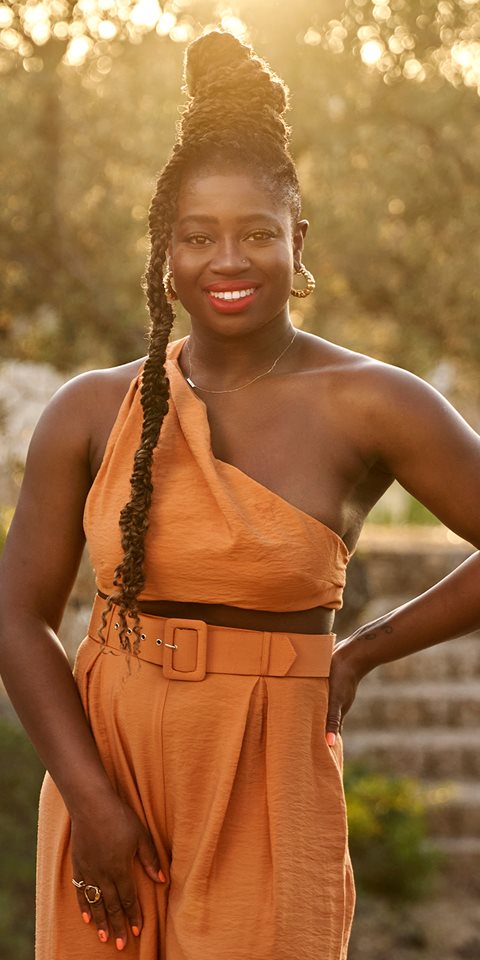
(120, 943)
(331, 739)
(135, 931)
(86, 917)
(102, 936)
(161, 876)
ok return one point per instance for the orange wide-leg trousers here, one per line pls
(244, 801)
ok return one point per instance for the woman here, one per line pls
(194, 805)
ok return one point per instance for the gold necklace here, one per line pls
(234, 389)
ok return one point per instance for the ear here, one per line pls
(299, 235)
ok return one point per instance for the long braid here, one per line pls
(129, 576)
(232, 92)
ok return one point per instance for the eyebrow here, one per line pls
(248, 218)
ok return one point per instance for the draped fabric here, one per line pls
(215, 534)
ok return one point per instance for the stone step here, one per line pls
(460, 870)
(454, 660)
(453, 809)
(437, 754)
(415, 704)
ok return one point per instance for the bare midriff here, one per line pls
(316, 620)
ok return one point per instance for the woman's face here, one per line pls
(229, 237)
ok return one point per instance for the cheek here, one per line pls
(188, 268)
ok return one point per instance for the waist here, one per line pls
(317, 620)
(189, 648)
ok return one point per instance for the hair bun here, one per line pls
(209, 55)
(217, 64)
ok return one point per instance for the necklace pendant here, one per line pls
(192, 384)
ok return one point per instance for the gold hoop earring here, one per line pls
(170, 292)
(310, 283)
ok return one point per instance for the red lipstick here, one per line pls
(226, 286)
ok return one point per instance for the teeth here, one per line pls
(232, 294)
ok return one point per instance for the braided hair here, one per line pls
(232, 120)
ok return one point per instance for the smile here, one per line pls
(231, 301)
(231, 294)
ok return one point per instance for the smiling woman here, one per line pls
(194, 806)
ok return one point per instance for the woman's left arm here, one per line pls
(435, 455)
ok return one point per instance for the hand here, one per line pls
(104, 844)
(345, 675)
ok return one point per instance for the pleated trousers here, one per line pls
(243, 799)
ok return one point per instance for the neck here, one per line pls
(223, 361)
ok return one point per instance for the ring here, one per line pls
(78, 883)
(96, 893)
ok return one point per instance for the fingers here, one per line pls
(111, 912)
(343, 682)
(82, 903)
(117, 905)
(149, 859)
(333, 725)
(334, 721)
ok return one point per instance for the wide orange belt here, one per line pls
(188, 649)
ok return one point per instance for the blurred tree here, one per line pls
(386, 133)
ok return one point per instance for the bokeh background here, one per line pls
(386, 134)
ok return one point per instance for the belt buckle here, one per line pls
(172, 624)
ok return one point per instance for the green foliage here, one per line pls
(20, 779)
(387, 161)
(414, 513)
(386, 816)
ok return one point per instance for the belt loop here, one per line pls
(112, 613)
(265, 655)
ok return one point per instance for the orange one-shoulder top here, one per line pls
(215, 534)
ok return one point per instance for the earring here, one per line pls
(310, 283)
(170, 292)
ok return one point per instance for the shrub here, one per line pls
(20, 778)
(388, 841)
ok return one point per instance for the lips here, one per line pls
(232, 304)
(225, 286)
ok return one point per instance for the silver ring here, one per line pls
(78, 883)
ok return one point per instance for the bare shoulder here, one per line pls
(100, 385)
(81, 414)
(375, 386)
(394, 415)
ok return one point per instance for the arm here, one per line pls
(37, 571)
(424, 443)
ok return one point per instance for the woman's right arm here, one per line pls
(37, 571)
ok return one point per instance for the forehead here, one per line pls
(228, 196)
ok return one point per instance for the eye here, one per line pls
(195, 237)
(263, 234)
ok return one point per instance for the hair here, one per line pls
(233, 119)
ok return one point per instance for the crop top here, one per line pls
(215, 535)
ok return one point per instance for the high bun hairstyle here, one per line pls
(233, 118)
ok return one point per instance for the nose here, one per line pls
(228, 258)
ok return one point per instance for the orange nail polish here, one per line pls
(119, 943)
(102, 936)
(135, 931)
(86, 917)
(331, 738)
(162, 876)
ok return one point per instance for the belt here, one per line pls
(189, 649)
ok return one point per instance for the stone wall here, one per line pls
(420, 716)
